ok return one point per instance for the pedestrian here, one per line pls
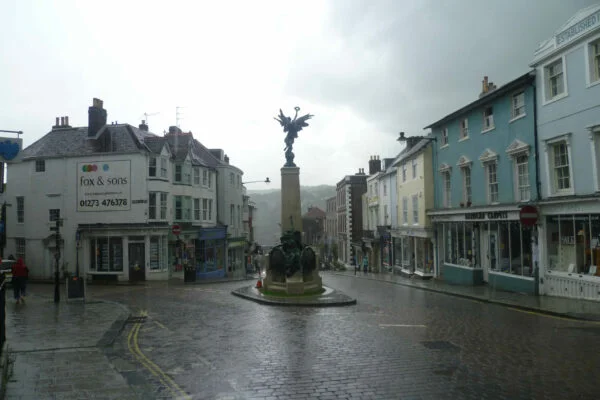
(356, 266)
(365, 264)
(20, 273)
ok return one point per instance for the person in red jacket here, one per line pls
(19, 281)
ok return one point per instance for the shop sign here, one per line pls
(104, 186)
(578, 29)
(10, 149)
(488, 216)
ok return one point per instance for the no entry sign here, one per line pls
(528, 215)
(176, 229)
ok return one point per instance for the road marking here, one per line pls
(554, 316)
(161, 325)
(132, 344)
(401, 326)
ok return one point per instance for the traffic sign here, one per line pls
(528, 215)
(176, 229)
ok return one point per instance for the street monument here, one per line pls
(292, 267)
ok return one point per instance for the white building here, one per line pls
(118, 191)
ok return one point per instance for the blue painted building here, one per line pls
(568, 123)
(484, 171)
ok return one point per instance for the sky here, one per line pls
(366, 70)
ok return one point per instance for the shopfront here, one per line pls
(236, 248)
(488, 246)
(209, 253)
(413, 251)
(571, 250)
(386, 251)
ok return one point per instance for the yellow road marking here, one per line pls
(553, 316)
(161, 325)
(132, 344)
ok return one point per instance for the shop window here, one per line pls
(406, 251)
(20, 248)
(451, 240)
(158, 253)
(573, 243)
(106, 254)
(397, 251)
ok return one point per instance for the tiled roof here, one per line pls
(314, 213)
(155, 144)
(64, 142)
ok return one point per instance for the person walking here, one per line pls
(365, 263)
(20, 273)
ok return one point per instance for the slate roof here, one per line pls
(73, 142)
(407, 153)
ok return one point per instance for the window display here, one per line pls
(573, 243)
(106, 254)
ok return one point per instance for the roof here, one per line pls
(409, 152)
(567, 36)
(314, 213)
(64, 142)
(493, 95)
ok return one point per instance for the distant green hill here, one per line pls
(268, 213)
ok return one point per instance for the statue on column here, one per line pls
(291, 127)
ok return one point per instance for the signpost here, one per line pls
(528, 215)
(176, 229)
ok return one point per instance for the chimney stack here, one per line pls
(96, 117)
(486, 87)
(226, 159)
(62, 121)
(143, 126)
(67, 120)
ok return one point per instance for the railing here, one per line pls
(574, 285)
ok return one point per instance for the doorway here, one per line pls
(490, 253)
(137, 262)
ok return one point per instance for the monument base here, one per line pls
(296, 284)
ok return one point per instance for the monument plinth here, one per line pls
(291, 210)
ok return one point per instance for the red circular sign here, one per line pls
(176, 229)
(528, 215)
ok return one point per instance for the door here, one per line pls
(490, 253)
(137, 262)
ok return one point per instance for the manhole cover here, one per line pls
(440, 345)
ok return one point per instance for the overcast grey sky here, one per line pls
(366, 69)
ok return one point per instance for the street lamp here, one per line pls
(267, 180)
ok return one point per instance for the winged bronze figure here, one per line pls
(291, 127)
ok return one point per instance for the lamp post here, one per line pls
(267, 180)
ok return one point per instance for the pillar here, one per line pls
(290, 199)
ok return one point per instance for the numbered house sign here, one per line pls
(104, 186)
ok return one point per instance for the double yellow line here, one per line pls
(134, 348)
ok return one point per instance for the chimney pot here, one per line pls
(67, 120)
(96, 117)
(62, 121)
(56, 122)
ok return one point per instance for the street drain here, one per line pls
(440, 345)
(135, 320)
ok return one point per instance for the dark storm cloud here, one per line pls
(401, 65)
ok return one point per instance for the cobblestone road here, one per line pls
(397, 343)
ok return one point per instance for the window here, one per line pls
(54, 214)
(210, 202)
(196, 175)
(444, 136)
(447, 189)
(414, 169)
(152, 205)
(197, 209)
(464, 128)
(492, 182)
(152, 166)
(40, 165)
(163, 167)
(518, 104)
(404, 172)
(466, 173)
(178, 168)
(231, 179)
(158, 253)
(187, 174)
(20, 248)
(385, 215)
(20, 209)
(205, 209)
(572, 243)
(106, 254)
(415, 205)
(554, 79)
(204, 177)
(594, 52)
(209, 180)
(561, 173)
(163, 206)
(522, 171)
(178, 208)
(488, 119)
(231, 214)
(405, 210)
(239, 181)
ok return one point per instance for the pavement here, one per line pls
(169, 340)
(558, 306)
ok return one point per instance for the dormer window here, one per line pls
(178, 172)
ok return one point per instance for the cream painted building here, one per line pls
(412, 236)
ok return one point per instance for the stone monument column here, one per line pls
(290, 199)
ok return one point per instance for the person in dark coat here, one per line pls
(19, 281)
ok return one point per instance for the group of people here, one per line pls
(20, 273)
(365, 264)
